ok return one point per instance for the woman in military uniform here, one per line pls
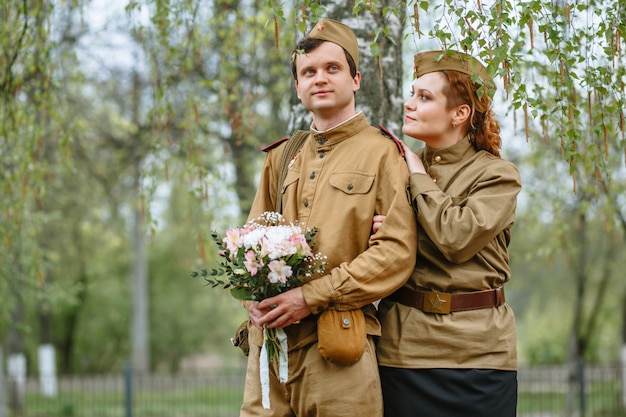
(448, 344)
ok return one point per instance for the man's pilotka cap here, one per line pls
(450, 60)
(338, 33)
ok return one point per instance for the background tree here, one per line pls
(208, 93)
(171, 132)
(31, 136)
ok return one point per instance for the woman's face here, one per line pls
(426, 116)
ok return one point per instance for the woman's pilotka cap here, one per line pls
(338, 33)
(450, 60)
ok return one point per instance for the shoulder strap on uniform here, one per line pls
(387, 133)
(273, 145)
(293, 146)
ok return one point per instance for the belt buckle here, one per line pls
(437, 302)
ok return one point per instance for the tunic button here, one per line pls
(437, 158)
(435, 180)
(306, 203)
(322, 154)
(312, 175)
(321, 139)
(350, 187)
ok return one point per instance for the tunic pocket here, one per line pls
(352, 182)
(291, 178)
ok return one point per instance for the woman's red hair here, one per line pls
(483, 128)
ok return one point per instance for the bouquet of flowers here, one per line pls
(264, 258)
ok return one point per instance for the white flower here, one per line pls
(280, 272)
(278, 242)
(253, 237)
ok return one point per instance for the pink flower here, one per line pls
(300, 245)
(232, 240)
(280, 271)
(251, 263)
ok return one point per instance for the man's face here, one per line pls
(324, 83)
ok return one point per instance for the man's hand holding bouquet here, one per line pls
(265, 257)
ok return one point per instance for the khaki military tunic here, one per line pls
(340, 179)
(465, 209)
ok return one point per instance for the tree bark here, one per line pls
(140, 315)
(140, 323)
(577, 341)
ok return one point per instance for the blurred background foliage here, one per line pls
(129, 130)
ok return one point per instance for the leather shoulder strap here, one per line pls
(293, 146)
(273, 145)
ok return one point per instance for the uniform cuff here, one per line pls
(316, 294)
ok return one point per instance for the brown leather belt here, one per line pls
(445, 303)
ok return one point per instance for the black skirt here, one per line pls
(449, 392)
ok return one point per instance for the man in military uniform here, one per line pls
(345, 173)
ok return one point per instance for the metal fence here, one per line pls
(543, 392)
(590, 391)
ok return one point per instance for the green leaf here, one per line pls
(241, 293)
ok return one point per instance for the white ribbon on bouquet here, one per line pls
(283, 368)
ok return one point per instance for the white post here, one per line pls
(17, 378)
(47, 370)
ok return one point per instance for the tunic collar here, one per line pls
(342, 131)
(461, 150)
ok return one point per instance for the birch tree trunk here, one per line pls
(140, 322)
(140, 330)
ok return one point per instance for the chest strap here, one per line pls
(292, 147)
(445, 303)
